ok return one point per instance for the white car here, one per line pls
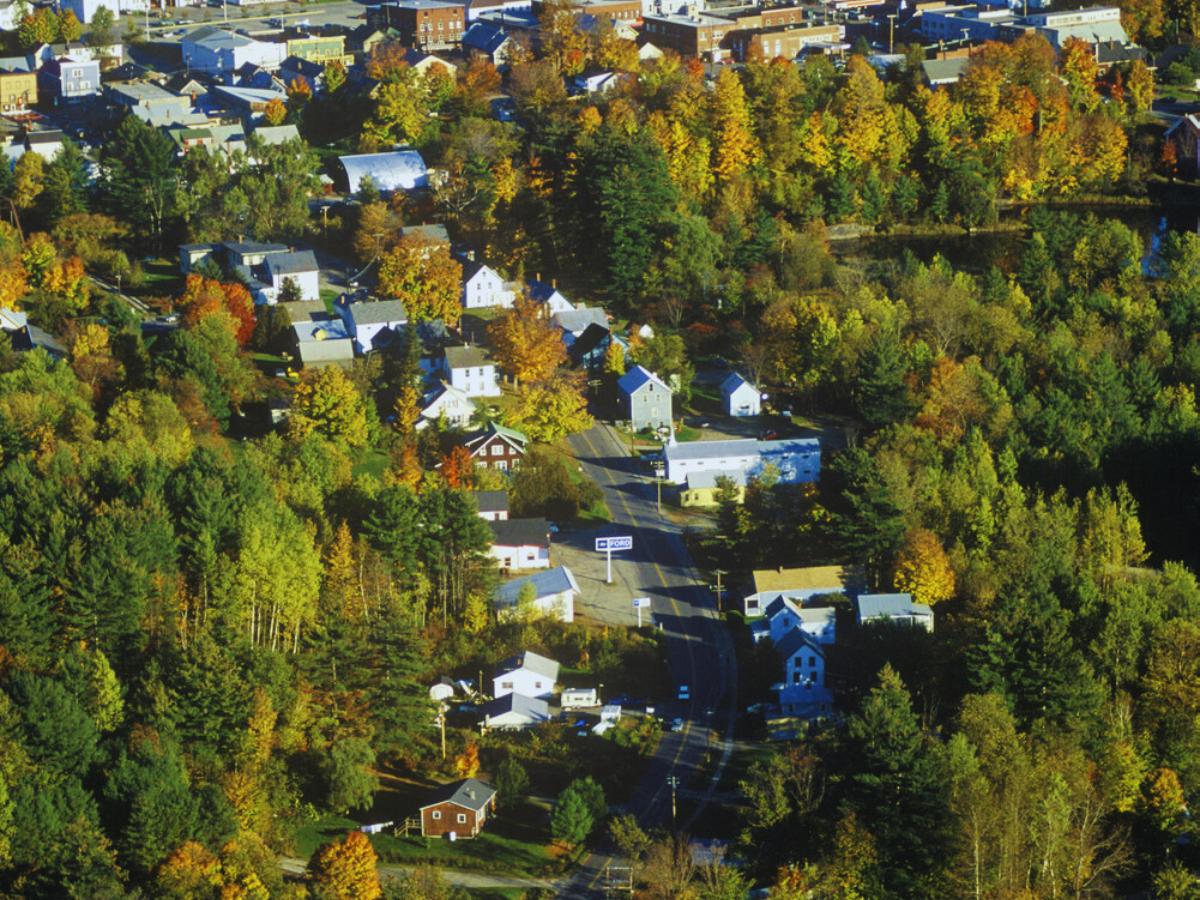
(677, 724)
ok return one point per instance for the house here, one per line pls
(255, 76)
(153, 105)
(1185, 135)
(497, 447)
(898, 608)
(703, 489)
(460, 809)
(512, 712)
(432, 234)
(424, 63)
(45, 143)
(306, 71)
(274, 135)
(942, 72)
(65, 80)
(85, 9)
(529, 674)
(296, 266)
(796, 461)
(322, 342)
(782, 615)
(741, 398)
(483, 288)
(551, 592)
(645, 400)
(18, 90)
(519, 544)
(446, 403)
(25, 337)
(801, 584)
(548, 296)
(373, 322)
(803, 658)
(247, 102)
(221, 52)
(575, 322)
(394, 170)
(578, 698)
(490, 40)
(471, 371)
(595, 83)
(493, 505)
(590, 348)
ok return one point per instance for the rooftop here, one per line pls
(471, 793)
(492, 501)
(637, 378)
(578, 319)
(295, 263)
(534, 662)
(378, 312)
(704, 480)
(518, 703)
(808, 578)
(878, 606)
(740, 447)
(464, 357)
(733, 382)
(797, 639)
(545, 584)
(520, 533)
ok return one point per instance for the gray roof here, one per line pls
(333, 350)
(390, 171)
(637, 378)
(740, 447)
(733, 383)
(534, 662)
(378, 312)
(704, 480)
(875, 606)
(804, 613)
(465, 357)
(577, 320)
(471, 793)
(944, 71)
(434, 231)
(797, 639)
(531, 707)
(216, 38)
(520, 533)
(272, 135)
(484, 37)
(295, 263)
(492, 501)
(252, 248)
(545, 584)
(301, 311)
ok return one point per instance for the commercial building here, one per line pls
(427, 24)
(794, 460)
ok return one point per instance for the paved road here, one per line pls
(700, 651)
(453, 877)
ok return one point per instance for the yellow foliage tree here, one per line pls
(923, 568)
(425, 277)
(550, 410)
(466, 764)
(275, 111)
(527, 344)
(327, 401)
(737, 148)
(345, 869)
(191, 871)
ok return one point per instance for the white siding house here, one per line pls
(483, 288)
(554, 593)
(898, 608)
(513, 712)
(367, 320)
(471, 371)
(800, 584)
(818, 622)
(796, 461)
(448, 404)
(528, 674)
(217, 51)
(520, 544)
(740, 396)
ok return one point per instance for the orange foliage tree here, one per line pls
(345, 869)
(458, 468)
(527, 344)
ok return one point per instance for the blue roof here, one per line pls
(734, 382)
(637, 378)
(484, 37)
(797, 639)
(547, 583)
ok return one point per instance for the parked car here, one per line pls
(677, 724)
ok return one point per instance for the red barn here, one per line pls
(461, 808)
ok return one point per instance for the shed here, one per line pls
(513, 712)
(741, 397)
(394, 170)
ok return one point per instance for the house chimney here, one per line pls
(471, 793)
(470, 256)
(537, 276)
(554, 283)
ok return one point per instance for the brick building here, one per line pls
(427, 24)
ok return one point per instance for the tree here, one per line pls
(345, 869)
(275, 111)
(326, 401)
(347, 774)
(571, 820)
(511, 781)
(527, 344)
(101, 28)
(334, 76)
(378, 228)
(614, 359)
(551, 410)
(923, 569)
(736, 147)
(669, 868)
(139, 177)
(70, 29)
(466, 764)
(628, 837)
(402, 110)
(37, 28)
(425, 277)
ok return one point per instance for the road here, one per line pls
(470, 880)
(699, 648)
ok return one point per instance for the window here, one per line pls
(506, 685)
(462, 819)
(812, 662)
(497, 449)
(537, 685)
(436, 814)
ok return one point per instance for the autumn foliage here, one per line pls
(345, 869)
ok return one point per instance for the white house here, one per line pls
(898, 608)
(801, 584)
(548, 296)
(513, 712)
(574, 322)
(483, 288)
(529, 674)
(218, 51)
(740, 396)
(448, 404)
(553, 593)
(784, 615)
(795, 460)
(519, 544)
(298, 266)
(367, 320)
(595, 83)
(493, 505)
(471, 371)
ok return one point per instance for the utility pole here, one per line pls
(891, 33)
(719, 589)
(442, 725)
(674, 783)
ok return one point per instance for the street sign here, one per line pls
(641, 602)
(610, 544)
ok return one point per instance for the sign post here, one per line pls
(640, 603)
(607, 545)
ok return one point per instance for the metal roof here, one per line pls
(877, 606)
(531, 707)
(492, 501)
(390, 171)
(545, 584)
(520, 533)
(740, 447)
(470, 793)
(534, 662)
(380, 312)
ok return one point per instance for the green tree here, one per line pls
(139, 177)
(512, 781)
(101, 28)
(571, 820)
(347, 774)
(58, 731)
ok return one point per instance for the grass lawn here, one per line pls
(160, 276)
(329, 297)
(687, 433)
(373, 462)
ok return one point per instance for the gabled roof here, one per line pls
(214, 38)
(534, 662)
(740, 447)
(798, 639)
(578, 319)
(470, 793)
(520, 533)
(637, 378)
(378, 312)
(735, 382)
(432, 231)
(545, 584)
(589, 340)
(833, 579)
(944, 71)
(484, 37)
(295, 263)
(511, 435)
(272, 135)
(810, 614)
(541, 292)
(492, 501)
(464, 357)
(530, 707)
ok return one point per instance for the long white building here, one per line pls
(797, 461)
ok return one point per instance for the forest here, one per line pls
(212, 632)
